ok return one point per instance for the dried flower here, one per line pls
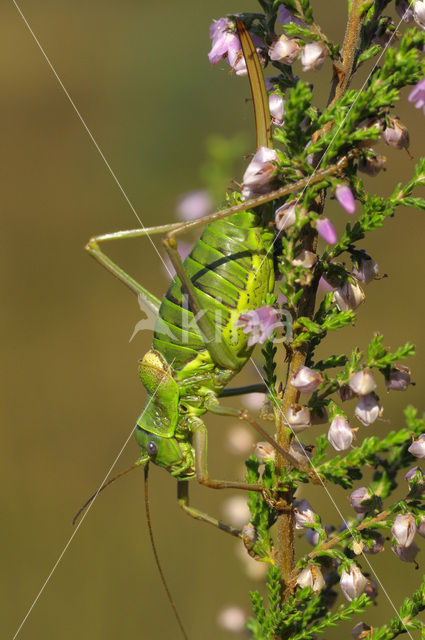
(313, 56)
(345, 197)
(346, 393)
(368, 409)
(419, 13)
(260, 172)
(362, 382)
(306, 380)
(417, 95)
(396, 134)
(372, 163)
(404, 10)
(311, 577)
(360, 499)
(361, 631)
(349, 295)
(303, 513)
(365, 269)
(326, 229)
(417, 448)
(285, 215)
(259, 323)
(377, 545)
(404, 529)
(194, 204)
(277, 108)
(285, 50)
(406, 554)
(352, 582)
(399, 378)
(340, 434)
(298, 418)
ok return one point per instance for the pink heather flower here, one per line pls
(419, 13)
(399, 378)
(365, 269)
(362, 382)
(194, 204)
(312, 536)
(326, 229)
(285, 17)
(421, 527)
(348, 296)
(345, 197)
(417, 448)
(396, 134)
(285, 215)
(284, 50)
(225, 42)
(404, 529)
(325, 286)
(259, 323)
(303, 514)
(340, 434)
(415, 474)
(406, 554)
(298, 418)
(417, 95)
(306, 380)
(313, 56)
(311, 577)
(260, 172)
(360, 499)
(277, 109)
(404, 10)
(352, 582)
(368, 409)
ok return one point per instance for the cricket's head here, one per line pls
(156, 426)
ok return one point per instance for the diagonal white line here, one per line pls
(90, 134)
(332, 499)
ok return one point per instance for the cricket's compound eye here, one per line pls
(151, 449)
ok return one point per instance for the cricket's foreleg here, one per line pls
(183, 502)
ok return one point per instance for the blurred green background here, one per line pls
(139, 74)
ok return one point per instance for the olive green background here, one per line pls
(139, 74)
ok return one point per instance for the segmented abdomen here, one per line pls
(231, 268)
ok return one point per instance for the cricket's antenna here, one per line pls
(96, 493)
(155, 553)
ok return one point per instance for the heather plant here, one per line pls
(321, 286)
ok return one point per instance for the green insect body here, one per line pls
(231, 268)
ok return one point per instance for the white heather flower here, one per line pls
(232, 619)
(352, 582)
(417, 448)
(421, 527)
(277, 108)
(306, 380)
(360, 499)
(194, 204)
(298, 418)
(260, 172)
(406, 554)
(311, 577)
(340, 434)
(419, 13)
(396, 134)
(264, 451)
(285, 215)
(362, 382)
(285, 50)
(399, 378)
(349, 296)
(365, 269)
(360, 631)
(368, 409)
(304, 514)
(306, 259)
(404, 529)
(313, 56)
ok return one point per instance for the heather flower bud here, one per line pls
(406, 554)
(303, 513)
(264, 451)
(361, 631)
(417, 448)
(313, 56)
(372, 163)
(285, 216)
(277, 108)
(285, 50)
(419, 13)
(404, 10)
(311, 577)
(306, 380)
(360, 499)
(326, 229)
(349, 295)
(260, 172)
(396, 134)
(340, 434)
(365, 269)
(352, 582)
(368, 409)
(404, 529)
(362, 382)
(306, 259)
(399, 378)
(345, 197)
(298, 418)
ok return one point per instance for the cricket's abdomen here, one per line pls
(231, 268)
